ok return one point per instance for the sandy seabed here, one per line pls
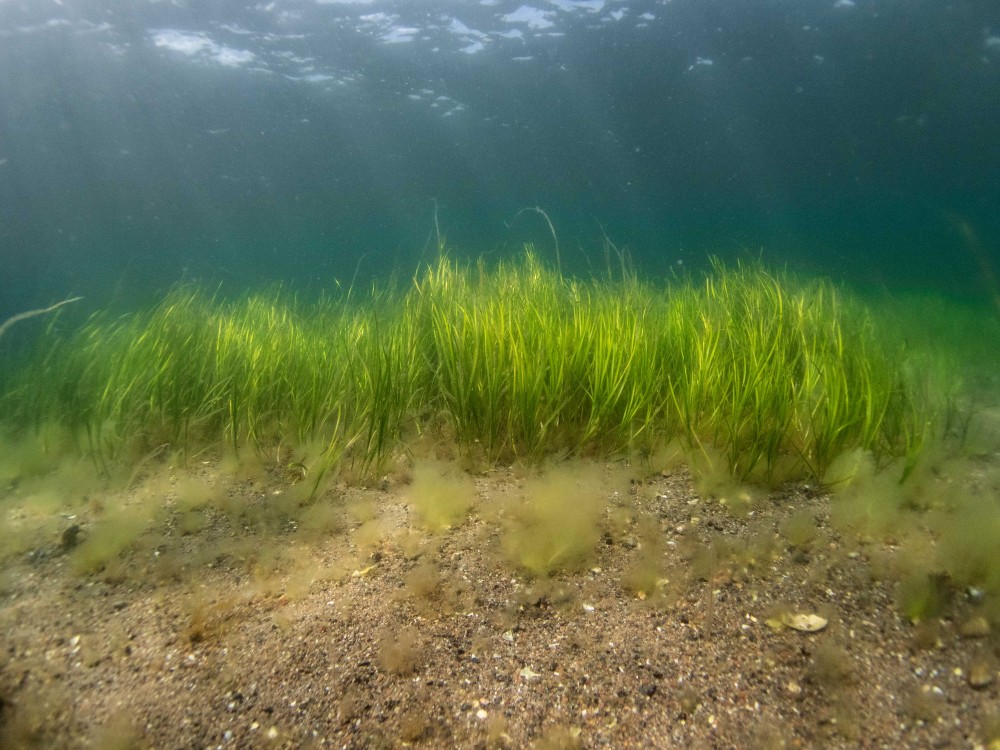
(671, 629)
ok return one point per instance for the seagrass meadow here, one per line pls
(750, 372)
(410, 515)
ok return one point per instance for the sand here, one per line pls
(353, 626)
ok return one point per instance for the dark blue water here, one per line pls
(142, 143)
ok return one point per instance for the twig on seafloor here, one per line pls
(32, 313)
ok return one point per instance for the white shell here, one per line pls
(807, 623)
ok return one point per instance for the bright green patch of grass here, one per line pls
(767, 375)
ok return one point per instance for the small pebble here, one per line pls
(980, 676)
(977, 627)
(70, 537)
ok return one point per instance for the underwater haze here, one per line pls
(144, 143)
